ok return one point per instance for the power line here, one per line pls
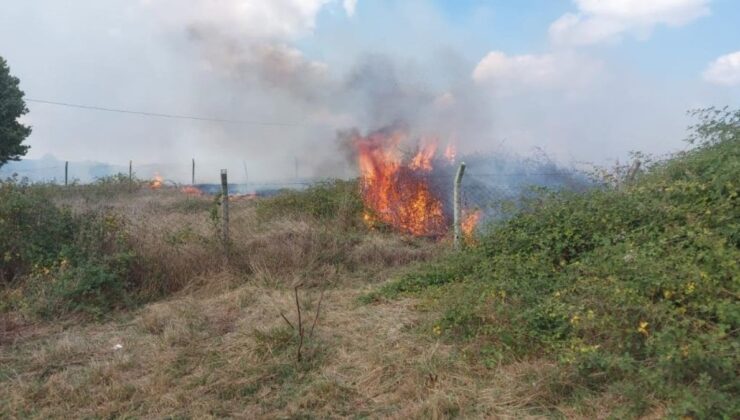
(32, 169)
(162, 115)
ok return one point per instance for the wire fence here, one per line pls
(493, 187)
(496, 193)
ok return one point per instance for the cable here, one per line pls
(32, 169)
(161, 115)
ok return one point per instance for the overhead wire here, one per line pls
(166, 115)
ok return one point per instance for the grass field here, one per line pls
(621, 301)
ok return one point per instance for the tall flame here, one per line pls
(397, 192)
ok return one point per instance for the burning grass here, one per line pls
(396, 190)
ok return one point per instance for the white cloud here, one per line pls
(609, 20)
(725, 70)
(350, 6)
(508, 74)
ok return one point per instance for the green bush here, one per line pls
(62, 262)
(634, 291)
(336, 200)
(32, 229)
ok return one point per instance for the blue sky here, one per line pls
(582, 80)
(521, 27)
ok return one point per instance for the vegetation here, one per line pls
(12, 106)
(62, 262)
(336, 200)
(179, 330)
(632, 291)
(122, 301)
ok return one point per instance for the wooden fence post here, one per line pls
(225, 207)
(192, 180)
(456, 202)
(632, 171)
(66, 172)
(130, 175)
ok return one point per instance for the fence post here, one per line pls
(66, 172)
(192, 181)
(456, 203)
(225, 206)
(130, 176)
(632, 172)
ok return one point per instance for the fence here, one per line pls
(486, 188)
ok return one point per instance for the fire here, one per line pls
(470, 221)
(191, 190)
(423, 159)
(396, 190)
(156, 182)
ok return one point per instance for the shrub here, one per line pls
(633, 290)
(63, 262)
(32, 229)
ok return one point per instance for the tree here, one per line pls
(12, 106)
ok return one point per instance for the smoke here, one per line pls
(294, 73)
(373, 93)
(271, 65)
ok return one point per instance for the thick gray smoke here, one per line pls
(374, 93)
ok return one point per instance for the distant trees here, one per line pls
(12, 106)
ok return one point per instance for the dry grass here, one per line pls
(219, 348)
(232, 355)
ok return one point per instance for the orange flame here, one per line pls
(423, 158)
(157, 182)
(191, 190)
(397, 192)
(470, 222)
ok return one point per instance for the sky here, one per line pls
(578, 80)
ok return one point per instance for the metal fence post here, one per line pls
(456, 202)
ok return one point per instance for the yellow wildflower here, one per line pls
(643, 328)
(690, 287)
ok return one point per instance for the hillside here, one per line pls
(631, 292)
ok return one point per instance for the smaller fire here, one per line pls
(470, 222)
(191, 190)
(157, 182)
(422, 161)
